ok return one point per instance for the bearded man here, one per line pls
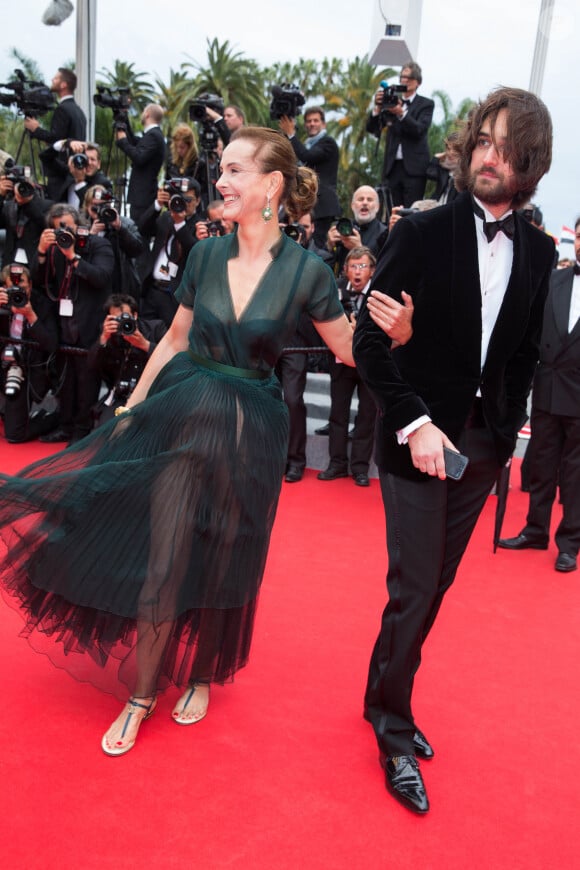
(478, 274)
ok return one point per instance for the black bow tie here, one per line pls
(406, 102)
(577, 268)
(491, 228)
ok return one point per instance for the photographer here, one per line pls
(320, 153)
(232, 119)
(68, 122)
(75, 270)
(183, 156)
(146, 154)
(366, 230)
(172, 220)
(359, 268)
(24, 316)
(124, 346)
(22, 215)
(407, 118)
(123, 235)
(214, 225)
(84, 172)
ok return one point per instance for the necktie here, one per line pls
(491, 228)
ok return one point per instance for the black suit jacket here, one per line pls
(323, 159)
(24, 225)
(433, 256)
(411, 133)
(89, 288)
(161, 226)
(68, 122)
(557, 380)
(146, 154)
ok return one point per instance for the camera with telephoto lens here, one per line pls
(117, 99)
(20, 176)
(286, 100)
(126, 324)
(215, 228)
(64, 237)
(80, 161)
(178, 188)
(15, 374)
(30, 98)
(103, 206)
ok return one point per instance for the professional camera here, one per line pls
(103, 205)
(80, 161)
(17, 297)
(286, 100)
(126, 323)
(392, 94)
(15, 373)
(20, 177)
(31, 98)
(117, 99)
(295, 232)
(215, 228)
(64, 237)
(197, 109)
(345, 226)
(178, 188)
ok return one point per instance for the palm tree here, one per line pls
(451, 119)
(232, 76)
(124, 75)
(174, 97)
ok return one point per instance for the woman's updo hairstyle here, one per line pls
(274, 153)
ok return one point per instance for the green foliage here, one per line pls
(343, 88)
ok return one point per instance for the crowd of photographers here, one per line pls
(89, 270)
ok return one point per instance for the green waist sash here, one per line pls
(235, 372)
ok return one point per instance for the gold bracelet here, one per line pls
(122, 409)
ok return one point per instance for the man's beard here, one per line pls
(494, 194)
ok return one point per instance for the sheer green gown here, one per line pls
(144, 544)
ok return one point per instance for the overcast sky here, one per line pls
(465, 49)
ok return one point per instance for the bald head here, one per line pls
(365, 204)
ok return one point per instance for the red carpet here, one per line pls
(283, 772)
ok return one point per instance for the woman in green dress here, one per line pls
(136, 555)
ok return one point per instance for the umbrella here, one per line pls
(502, 485)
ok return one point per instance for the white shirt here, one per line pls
(574, 304)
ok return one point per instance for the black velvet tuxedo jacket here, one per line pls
(557, 380)
(433, 256)
(147, 155)
(411, 133)
(323, 159)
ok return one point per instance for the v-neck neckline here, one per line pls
(274, 251)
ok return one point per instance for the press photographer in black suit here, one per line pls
(84, 173)
(122, 350)
(75, 270)
(68, 123)
(172, 220)
(320, 153)
(22, 215)
(147, 154)
(407, 123)
(24, 376)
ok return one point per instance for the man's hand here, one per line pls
(31, 124)
(334, 238)
(392, 317)
(426, 445)
(288, 125)
(120, 134)
(138, 340)
(201, 231)
(163, 197)
(6, 186)
(47, 238)
(76, 146)
(212, 115)
(97, 227)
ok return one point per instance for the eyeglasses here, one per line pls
(360, 266)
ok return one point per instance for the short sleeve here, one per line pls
(323, 302)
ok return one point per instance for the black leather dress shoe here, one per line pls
(323, 430)
(422, 747)
(523, 542)
(361, 479)
(333, 472)
(404, 781)
(55, 436)
(293, 475)
(565, 562)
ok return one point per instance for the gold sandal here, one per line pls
(135, 709)
(183, 703)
